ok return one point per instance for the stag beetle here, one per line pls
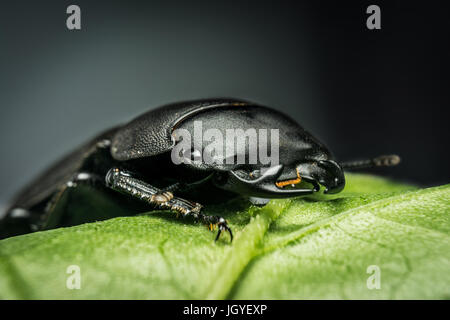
(128, 159)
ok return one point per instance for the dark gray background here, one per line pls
(362, 92)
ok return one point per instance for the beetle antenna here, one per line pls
(381, 161)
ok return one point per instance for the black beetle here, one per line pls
(126, 158)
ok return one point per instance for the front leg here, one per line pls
(123, 181)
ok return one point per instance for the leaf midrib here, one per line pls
(243, 250)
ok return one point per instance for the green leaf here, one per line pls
(304, 248)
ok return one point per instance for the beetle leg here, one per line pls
(85, 178)
(52, 215)
(175, 187)
(212, 221)
(20, 220)
(183, 187)
(223, 226)
(123, 181)
(17, 221)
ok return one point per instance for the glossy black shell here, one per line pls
(152, 133)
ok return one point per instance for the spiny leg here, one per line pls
(20, 220)
(57, 204)
(123, 181)
(16, 222)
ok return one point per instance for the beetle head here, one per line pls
(283, 181)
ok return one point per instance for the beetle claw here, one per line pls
(223, 226)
